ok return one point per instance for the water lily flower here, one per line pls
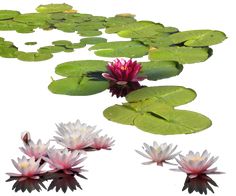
(194, 164)
(75, 136)
(28, 168)
(36, 150)
(64, 160)
(158, 154)
(121, 71)
(102, 142)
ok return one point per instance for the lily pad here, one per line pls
(62, 43)
(76, 45)
(33, 56)
(131, 49)
(51, 49)
(155, 112)
(8, 14)
(93, 40)
(78, 86)
(198, 37)
(30, 43)
(119, 20)
(53, 8)
(79, 68)
(91, 33)
(156, 70)
(8, 52)
(180, 54)
(172, 95)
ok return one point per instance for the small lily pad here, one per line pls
(8, 14)
(91, 33)
(78, 86)
(129, 49)
(180, 54)
(53, 8)
(33, 56)
(30, 43)
(62, 43)
(93, 40)
(51, 49)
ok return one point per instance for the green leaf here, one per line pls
(162, 40)
(79, 68)
(180, 122)
(172, 95)
(8, 14)
(30, 43)
(129, 49)
(53, 8)
(121, 114)
(198, 37)
(91, 33)
(62, 43)
(93, 40)
(156, 70)
(78, 86)
(76, 45)
(180, 54)
(33, 56)
(8, 52)
(119, 21)
(32, 18)
(51, 49)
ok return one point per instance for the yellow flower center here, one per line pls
(196, 159)
(123, 68)
(24, 165)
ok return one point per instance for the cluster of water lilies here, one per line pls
(193, 164)
(76, 138)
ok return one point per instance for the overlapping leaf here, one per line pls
(155, 112)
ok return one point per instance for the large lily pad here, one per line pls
(78, 86)
(131, 49)
(198, 37)
(119, 20)
(53, 8)
(79, 68)
(180, 54)
(155, 113)
(8, 14)
(156, 70)
(33, 56)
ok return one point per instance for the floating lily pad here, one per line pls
(8, 14)
(163, 40)
(119, 20)
(33, 56)
(155, 113)
(62, 43)
(30, 43)
(156, 70)
(180, 54)
(8, 52)
(79, 68)
(129, 49)
(93, 40)
(53, 8)
(51, 49)
(172, 95)
(78, 86)
(91, 33)
(76, 45)
(199, 37)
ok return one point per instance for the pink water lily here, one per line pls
(36, 150)
(195, 164)
(28, 168)
(64, 160)
(158, 154)
(102, 142)
(123, 71)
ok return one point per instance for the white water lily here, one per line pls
(195, 164)
(28, 168)
(102, 142)
(64, 160)
(36, 150)
(158, 154)
(75, 136)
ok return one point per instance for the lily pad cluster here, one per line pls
(153, 109)
(159, 42)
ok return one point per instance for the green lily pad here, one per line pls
(79, 68)
(198, 37)
(119, 20)
(30, 43)
(51, 49)
(91, 33)
(62, 43)
(156, 70)
(32, 18)
(76, 45)
(33, 56)
(180, 54)
(129, 49)
(8, 14)
(9, 25)
(66, 27)
(8, 52)
(78, 86)
(163, 40)
(93, 40)
(155, 113)
(53, 8)
(172, 95)
(180, 122)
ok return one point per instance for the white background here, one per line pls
(26, 103)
